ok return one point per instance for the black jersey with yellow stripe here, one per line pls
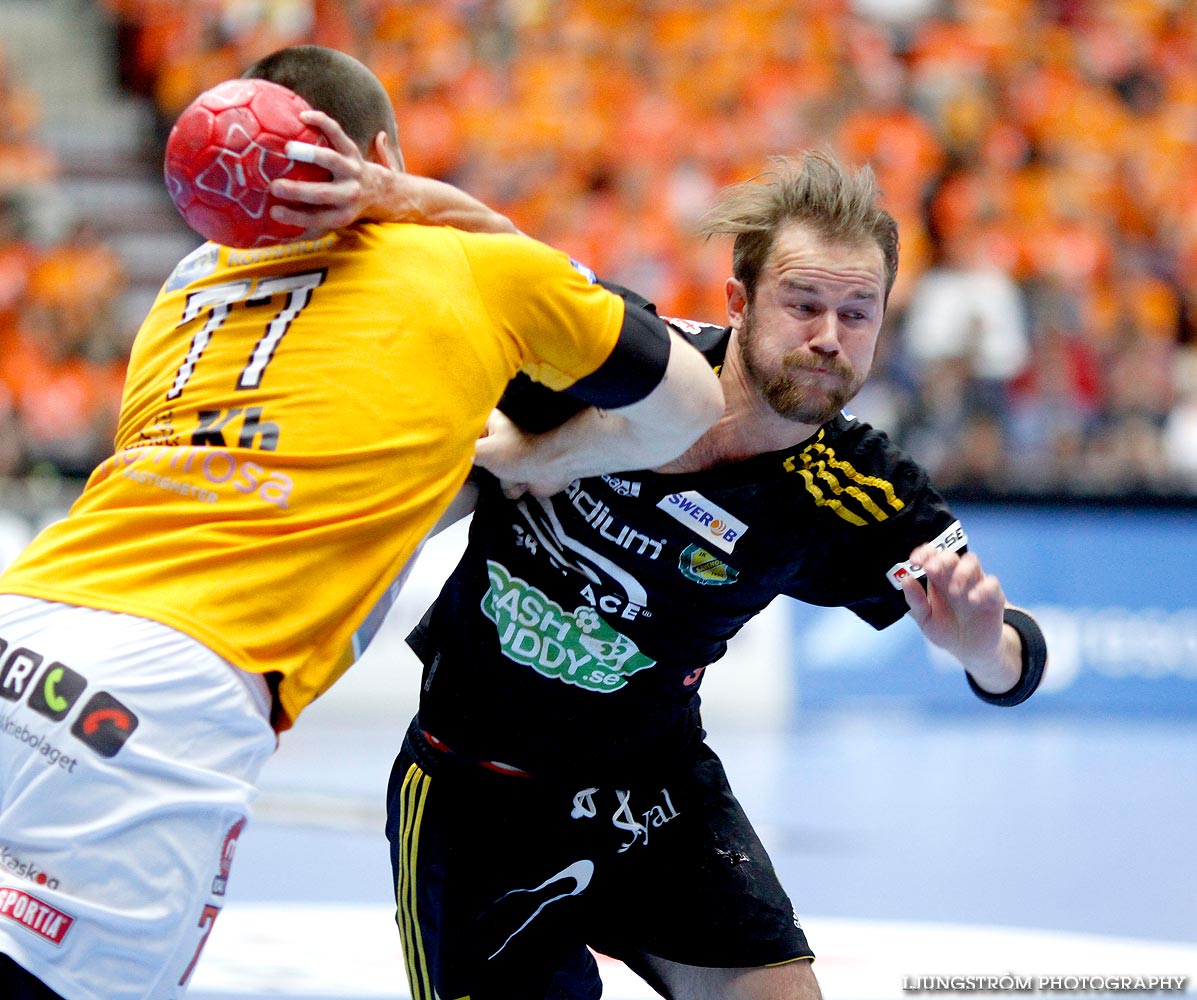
(586, 620)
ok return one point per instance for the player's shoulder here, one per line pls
(870, 450)
(710, 339)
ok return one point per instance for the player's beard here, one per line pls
(797, 390)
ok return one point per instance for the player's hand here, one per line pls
(961, 609)
(358, 189)
(512, 455)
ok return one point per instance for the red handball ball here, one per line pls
(222, 154)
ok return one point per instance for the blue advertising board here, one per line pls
(1116, 593)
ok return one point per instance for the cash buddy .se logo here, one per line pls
(577, 647)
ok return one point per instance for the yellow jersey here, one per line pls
(295, 419)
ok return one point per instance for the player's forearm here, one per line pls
(659, 427)
(686, 402)
(1000, 672)
(410, 198)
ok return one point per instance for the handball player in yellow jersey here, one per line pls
(294, 422)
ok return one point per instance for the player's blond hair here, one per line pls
(816, 190)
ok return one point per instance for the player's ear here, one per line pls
(385, 153)
(737, 301)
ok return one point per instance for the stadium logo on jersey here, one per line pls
(198, 264)
(623, 487)
(709, 520)
(34, 915)
(951, 540)
(699, 565)
(577, 647)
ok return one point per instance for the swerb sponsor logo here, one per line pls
(708, 519)
(951, 540)
(699, 565)
(577, 647)
(35, 915)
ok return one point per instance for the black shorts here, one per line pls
(20, 984)
(503, 881)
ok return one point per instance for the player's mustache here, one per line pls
(806, 362)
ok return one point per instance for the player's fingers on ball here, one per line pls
(331, 129)
(314, 223)
(337, 164)
(290, 216)
(339, 194)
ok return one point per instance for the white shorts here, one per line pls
(129, 756)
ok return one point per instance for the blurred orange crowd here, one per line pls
(1040, 157)
(62, 361)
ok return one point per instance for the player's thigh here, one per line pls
(697, 886)
(490, 887)
(788, 981)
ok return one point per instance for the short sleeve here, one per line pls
(564, 324)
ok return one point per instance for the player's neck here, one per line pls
(748, 427)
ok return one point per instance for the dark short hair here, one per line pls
(335, 83)
(815, 190)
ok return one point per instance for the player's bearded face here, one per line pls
(800, 386)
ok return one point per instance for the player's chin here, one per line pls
(808, 407)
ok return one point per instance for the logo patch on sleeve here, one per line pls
(951, 540)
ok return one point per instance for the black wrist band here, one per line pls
(1034, 659)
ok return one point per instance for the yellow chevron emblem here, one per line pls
(836, 484)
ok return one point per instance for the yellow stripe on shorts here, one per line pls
(412, 797)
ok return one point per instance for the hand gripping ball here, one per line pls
(223, 152)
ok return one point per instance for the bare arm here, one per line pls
(595, 441)
(362, 188)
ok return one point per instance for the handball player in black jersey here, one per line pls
(555, 793)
